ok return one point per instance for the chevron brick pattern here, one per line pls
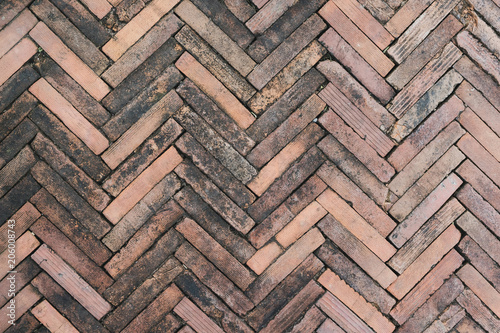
(250, 166)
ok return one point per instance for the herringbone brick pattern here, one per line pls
(250, 165)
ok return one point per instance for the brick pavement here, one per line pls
(250, 165)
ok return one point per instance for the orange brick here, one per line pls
(134, 192)
(285, 158)
(195, 318)
(69, 116)
(266, 16)
(264, 257)
(481, 132)
(25, 299)
(25, 244)
(444, 243)
(353, 222)
(16, 30)
(137, 27)
(362, 44)
(480, 286)
(52, 319)
(72, 282)
(355, 302)
(24, 217)
(100, 8)
(188, 65)
(69, 61)
(15, 58)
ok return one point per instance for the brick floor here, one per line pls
(250, 165)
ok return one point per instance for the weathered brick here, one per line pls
(405, 16)
(9, 9)
(264, 257)
(17, 28)
(17, 84)
(306, 193)
(16, 169)
(24, 218)
(310, 322)
(195, 318)
(25, 244)
(270, 12)
(51, 318)
(13, 60)
(481, 132)
(17, 196)
(329, 326)
(10, 118)
(472, 304)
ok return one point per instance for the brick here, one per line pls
(355, 249)
(139, 131)
(486, 35)
(146, 235)
(65, 58)
(354, 36)
(420, 29)
(358, 66)
(134, 192)
(66, 304)
(215, 253)
(17, 196)
(16, 29)
(141, 212)
(100, 8)
(25, 244)
(365, 22)
(137, 27)
(70, 253)
(481, 157)
(141, 103)
(448, 319)
(355, 277)
(240, 8)
(353, 142)
(269, 227)
(468, 325)
(427, 156)
(16, 85)
(361, 124)
(24, 218)
(289, 181)
(264, 257)
(478, 232)
(480, 260)
(284, 265)
(140, 160)
(480, 105)
(141, 51)
(72, 228)
(481, 132)
(356, 225)
(72, 282)
(435, 305)
(145, 267)
(426, 235)
(357, 94)
(294, 308)
(25, 299)
(428, 49)
(485, 188)
(424, 80)
(127, 9)
(215, 117)
(479, 53)
(216, 226)
(25, 323)
(221, 42)
(70, 199)
(217, 173)
(480, 313)
(195, 318)
(356, 171)
(10, 9)
(286, 104)
(311, 321)
(419, 138)
(143, 295)
(210, 304)
(306, 193)
(12, 61)
(83, 20)
(480, 80)
(148, 318)
(52, 319)
(287, 77)
(282, 55)
(214, 279)
(405, 16)
(269, 12)
(355, 302)
(406, 281)
(12, 117)
(280, 163)
(70, 35)
(278, 298)
(329, 326)
(489, 11)
(168, 323)
(16, 169)
(382, 10)
(142, 75)
(215, 64)
(69, 143)
(341, 314)
(426, 105)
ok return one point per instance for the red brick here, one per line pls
(481, 132)
(428, 207)
(431, 256)
(270, 226)
(52, 319)
(195, 318)
(72, 282)
(266, 16)
(25, 244)
(329, 326)
(468, 325)
(25, 272)
(99, 7)
(310, 322)
(480, 313)
(448, 319)
(24, 218)
(305, 194)
(25, 299)
(15, 58)
(405, 16)
(480, 260)
(264, 257)
(10, 9)
(16, 30)
(11, 173)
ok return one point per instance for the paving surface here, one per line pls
(236, 166)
